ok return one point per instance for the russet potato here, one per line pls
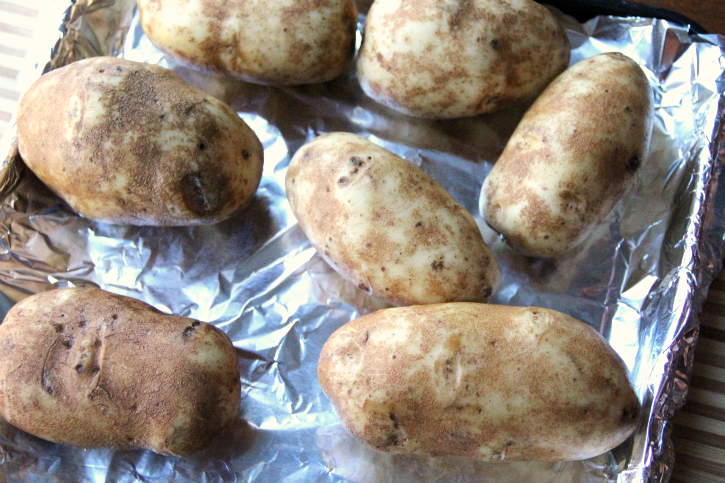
(386, 226)
(279, 42)
(132, 143)
(88, 368)
(454, 58)
(480, 381)
(573, 156)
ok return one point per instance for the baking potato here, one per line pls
(88, 368)
(478, 381)
(132, 143)
(386, 226)
(271, 42)
(454, 58)
(572, 157)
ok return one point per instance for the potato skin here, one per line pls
(88, 368)
(386, 226)
(572, 157)
(446, 59)
(132, 143)
(478, 381)
(282, 42)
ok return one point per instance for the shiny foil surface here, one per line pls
(639, 279)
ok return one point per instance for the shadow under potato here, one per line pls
(348, 458)
(34, 459)
(50, 243)
(243, 232)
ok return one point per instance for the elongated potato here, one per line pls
(270, 42)
(454, 58)
(386, 226)
(572, 157)
(132, 143)
(479, 381)
(88, 368)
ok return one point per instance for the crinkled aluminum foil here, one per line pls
(639, 279)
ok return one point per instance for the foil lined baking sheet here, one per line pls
(638, 279)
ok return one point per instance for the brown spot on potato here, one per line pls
(202, 193)
(190, 328)
(634, 163)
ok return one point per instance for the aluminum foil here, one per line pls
(639, 279)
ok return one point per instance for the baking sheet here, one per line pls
(637, 279)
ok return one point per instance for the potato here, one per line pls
(386, 226)
(88, 368)
(453, 58)
(271, 42)
(478, 381)
(132, 143)
(572, 157)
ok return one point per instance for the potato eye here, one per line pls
(634, 163)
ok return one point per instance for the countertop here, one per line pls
(710, 14)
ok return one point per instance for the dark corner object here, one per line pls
(583, 10)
